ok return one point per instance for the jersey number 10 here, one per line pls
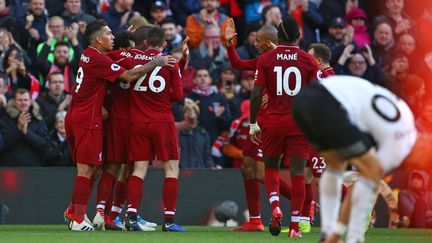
(282, 80)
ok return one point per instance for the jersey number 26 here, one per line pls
(152, 82)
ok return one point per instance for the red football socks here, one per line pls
(134, 193)
(271, 183)
(253, 192)
(104, 189)
(80, 197)
(297, 201)
(119, 198)
(308, 200)
(284, 188)
(169, 195)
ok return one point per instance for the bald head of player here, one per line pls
(141, 36)
(288, 31)
(266, 38)
(99, 35)
(156, 38)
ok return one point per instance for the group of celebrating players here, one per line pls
(345, 118)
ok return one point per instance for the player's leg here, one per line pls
(253, 191)
(170, 195)
(271, 183)
(119, 193)
(364, 192)
(297, 167)
(80, 196)
(104, 193)
(134, 193)
(305, 219)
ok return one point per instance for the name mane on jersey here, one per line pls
(286, 57)
(144, 57)
(84, 58)
(125, 54)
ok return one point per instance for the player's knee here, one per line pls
(85, 170)
(247, 171)
(171, 168)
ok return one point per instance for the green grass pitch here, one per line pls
(198, 234)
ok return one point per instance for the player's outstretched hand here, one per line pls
(165, 61)
(185, 48)
(230, 32)
(255, 133)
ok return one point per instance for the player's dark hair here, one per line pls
(288, 31)
(123, 40)
(167, 20)
(93, 28)
(141, 34)
(322, 51)
(156, 36)
(61, 43)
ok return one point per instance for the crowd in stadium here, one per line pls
(41, 42)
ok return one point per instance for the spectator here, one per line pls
(118, 15)
(412, 92)
(248, 49)
(4, 95)
(56, 32)
(59, 154)
(253, 10)
(247, 83)
(415, 202)
(73, 13)
(271, 15)
(383, 44)
(396, 72)
(310, 20)
(424, 123)
(17, 75)
(24, 132)
(331, 9)
(356, 18)
(359, 64)
(8, 19)
(34, 24)
(407, 44)
(399, 21)
(215, 115)
(54, 7)
(338, 38)
(61, 63)
(53, 98)
(194, 140)
(210, 54)
(173, 38)
(197, 24)
(228, 82)
(182, 9)
(158, 12)
(6, 42)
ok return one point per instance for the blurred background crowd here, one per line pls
(386, 42)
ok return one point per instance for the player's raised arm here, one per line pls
(137, 72)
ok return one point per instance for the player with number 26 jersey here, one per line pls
(151, 109)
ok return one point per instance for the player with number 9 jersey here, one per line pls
(95, 71)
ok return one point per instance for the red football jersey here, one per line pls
(283, 72)
(120, 106)
(326, 73)
(151, 95)
(94, 72)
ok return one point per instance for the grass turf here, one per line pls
(198, 234)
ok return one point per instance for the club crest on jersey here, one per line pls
(115, 67)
